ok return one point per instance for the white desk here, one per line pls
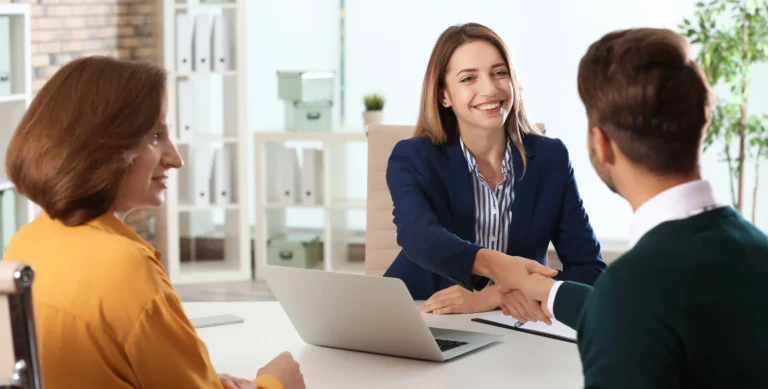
(520, 361)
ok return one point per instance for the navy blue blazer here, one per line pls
(434, 213)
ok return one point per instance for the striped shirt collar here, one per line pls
(506, 165)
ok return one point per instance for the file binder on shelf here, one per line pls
(203, 101)
(5, 56)
(312, 177)
(203, 34)
(187, 113)
(184, 42)
(221, 47)
(289, 176)
(222, 177)
(202, 166)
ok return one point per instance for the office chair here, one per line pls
(19, 360)
(381, 246)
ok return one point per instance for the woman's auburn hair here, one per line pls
(439, 123)
(74, 144)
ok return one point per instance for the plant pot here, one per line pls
(372, 117)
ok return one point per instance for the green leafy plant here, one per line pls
(373, 102)
(732, 36)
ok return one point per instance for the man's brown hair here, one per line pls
(74, 144)
(644, 90)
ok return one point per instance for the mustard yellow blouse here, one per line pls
(106, 313)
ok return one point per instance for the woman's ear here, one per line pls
(446, 100)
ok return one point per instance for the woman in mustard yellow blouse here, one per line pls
(93, 146)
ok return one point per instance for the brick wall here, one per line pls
(63, 30)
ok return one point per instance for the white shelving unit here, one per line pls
(333, 201)
(14, 105)
(208, 241)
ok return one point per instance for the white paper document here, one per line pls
(557, 330)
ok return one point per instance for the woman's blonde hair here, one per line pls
(438, 122)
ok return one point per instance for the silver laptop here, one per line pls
(364, 313)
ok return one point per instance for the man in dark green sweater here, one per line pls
(687, 305)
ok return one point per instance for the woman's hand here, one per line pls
(457, 299)
(508, 271)
(229, 382)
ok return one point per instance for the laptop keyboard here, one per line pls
(446, 345)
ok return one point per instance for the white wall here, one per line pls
(286, 35)
(388, 45)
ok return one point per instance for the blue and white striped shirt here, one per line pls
(493, 206)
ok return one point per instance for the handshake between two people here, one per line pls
(521, 289)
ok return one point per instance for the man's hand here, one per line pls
(508, 271)
(457, 299)
(536, 287)
(286, 370)
(534, 290)
(516, 304)
(229, 382)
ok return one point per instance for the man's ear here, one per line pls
(604, 146)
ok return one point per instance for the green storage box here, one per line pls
(308, 116)
(295, 250)
(5, 56)
(306, 86)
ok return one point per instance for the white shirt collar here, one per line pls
(679, 202)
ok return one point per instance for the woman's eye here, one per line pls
(501, 73)
(156, 138)
(467, 79)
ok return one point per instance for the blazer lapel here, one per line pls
(458, 181)
(525, 200)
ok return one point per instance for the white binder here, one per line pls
(221, 47)
(289, 176)
(312, 177)
(202, 102)
(184, 42)
(202, 166)
(222, 188)
(187, 113)
(203, 33)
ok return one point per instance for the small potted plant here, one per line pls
(374, 103)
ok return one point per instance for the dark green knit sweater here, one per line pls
(687, 307)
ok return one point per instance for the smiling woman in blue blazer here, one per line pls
(478, 188)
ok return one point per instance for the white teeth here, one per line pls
(489, 106)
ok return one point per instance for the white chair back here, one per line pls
(381, 246)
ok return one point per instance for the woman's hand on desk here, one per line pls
(229, 382)
(286, 370)
(457, 299)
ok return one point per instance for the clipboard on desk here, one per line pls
(557, 330)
